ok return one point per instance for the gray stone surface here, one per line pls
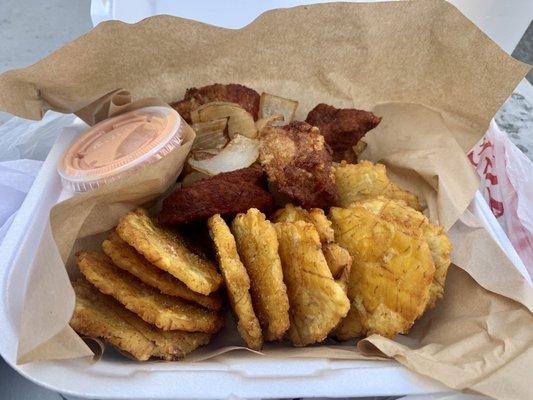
(516, 118)
(32, 29)
(524, 50)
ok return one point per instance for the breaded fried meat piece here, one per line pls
(257, 245)
(237, 282)
(126, 257)
(391, 275)
(100, 316)
(298, 164)
(165, 312)
(366, 180)
(226, 194)
(342, 128)
(317, 302)
(414, 223)
(168, 251)
(234, 93)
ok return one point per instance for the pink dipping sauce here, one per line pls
(119, 145)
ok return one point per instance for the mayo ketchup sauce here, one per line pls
(119, 145)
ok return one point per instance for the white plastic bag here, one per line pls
(24, 144)
(16, 178)
(23, 138)
(507, 185)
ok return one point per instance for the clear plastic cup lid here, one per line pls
(119, 145)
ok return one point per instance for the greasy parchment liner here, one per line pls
(430, 73)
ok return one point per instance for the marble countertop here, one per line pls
(515, 118)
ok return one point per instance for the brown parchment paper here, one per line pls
(429, 72)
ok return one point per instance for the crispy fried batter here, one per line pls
(234, 93)
(165, 312)
(338, 259)
(298, 163)
(167, 250)
(415, 224)
(99, 315)
(237, 282)
(317, 302)
(257, 245)
(390, 277)
(124, 256)
(342, 128)
(366, 180)
(226, 194)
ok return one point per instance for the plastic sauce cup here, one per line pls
(120, 145)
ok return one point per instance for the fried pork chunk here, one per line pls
(317, 302)
(366, 180)
(99, 316)
(234, 93)
(237, 282)
(391, 275)
(257, 244)
(342, 128)
(298, 164)
(165, 312)
(227, 194)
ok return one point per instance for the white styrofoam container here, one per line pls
(239, 373)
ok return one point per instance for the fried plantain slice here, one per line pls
(165, 312)
(390, 277)
(167, 250)
(414, 223)
(317, 302)
(338, 259)
(339, 262)
(366, 180)
(96, 315)
(237, 282)
(126, 257)
(99, 315)
(257, 245)
(316, 216)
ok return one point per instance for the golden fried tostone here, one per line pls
(390, 277)
(338, 259)
(165, 312)
(237, 282)
(315, 216)
(126, 257)
(414, 223)
(366, 180)
(98, 315)
(167, 250)
(317, 302)
(257, 245)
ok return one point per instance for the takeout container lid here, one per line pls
(119, 145)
